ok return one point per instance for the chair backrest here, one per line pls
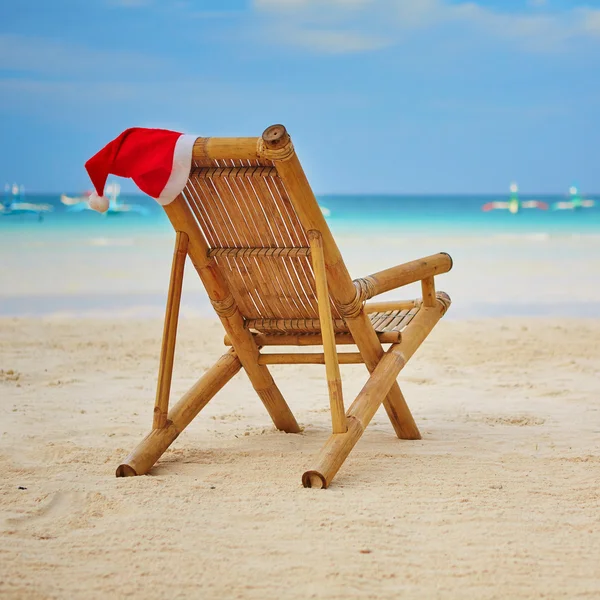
(256, 237)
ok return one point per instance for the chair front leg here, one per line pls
(151, 448)
(360, 413)
(167, 352)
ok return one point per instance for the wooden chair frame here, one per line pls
(332, 282)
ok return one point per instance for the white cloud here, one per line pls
(590, 20)
(416, 14)
(335, 42)
(539, 31)
(379, 23)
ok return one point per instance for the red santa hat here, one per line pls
(158, 161)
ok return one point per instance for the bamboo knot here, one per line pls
(287, 325)
(226, 307)
(353, 422)
(262, 252)
(275, 154)
(365, 289)
(444, 300)
(232, 172)
(397, 352)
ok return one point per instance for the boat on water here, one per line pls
(12, 203)
(73, 200)
(575, 201)
(116, 206)
(514, 204)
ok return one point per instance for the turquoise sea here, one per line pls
(535, 262)
(401, 214)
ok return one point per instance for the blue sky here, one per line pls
(386, 96)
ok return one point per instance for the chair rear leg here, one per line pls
(399, 414)
(394, 402)
(395, 405)
(272, 398)
(217, 288)
(151, 448)
(259, 375)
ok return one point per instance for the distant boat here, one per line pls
(513, 205)
(72, 200)
(12, 203)
(115, 204)
(574, 202)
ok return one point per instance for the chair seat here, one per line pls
(397, 320)
(387, 321)
(393, 320)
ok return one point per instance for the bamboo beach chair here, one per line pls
(250, 224)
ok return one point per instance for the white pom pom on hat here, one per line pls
(158, 161)
(98, 203)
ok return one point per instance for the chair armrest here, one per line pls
(409, 272)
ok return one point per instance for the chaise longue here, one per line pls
(255, 234)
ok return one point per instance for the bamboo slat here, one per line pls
(243, 207)
(167, 353)
(310, 339)
(312, 358)
(302, 269)
(373, 307)
(294, 184)
(232, 219)
(385, 322)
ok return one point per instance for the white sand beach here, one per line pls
(499, 500)
(246, 135)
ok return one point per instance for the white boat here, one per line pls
(72, 200)
(574, 202)
(514, 204)
(12, 205)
